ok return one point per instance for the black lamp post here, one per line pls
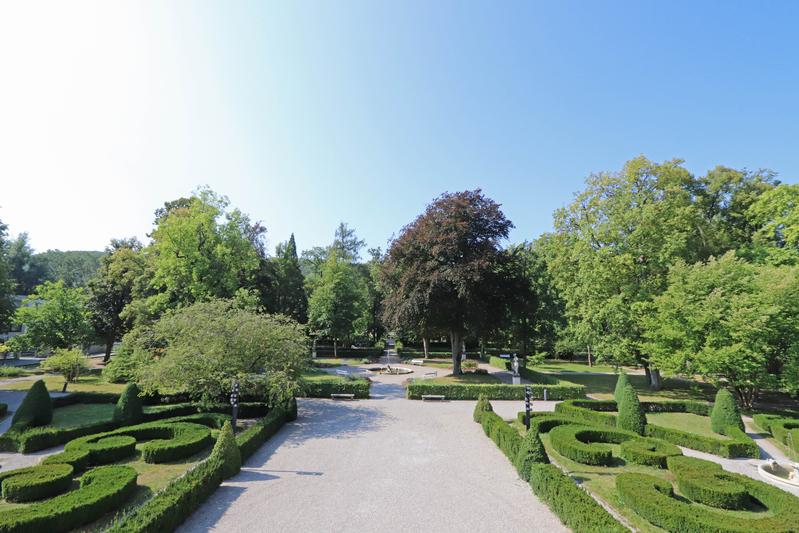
(234, 401)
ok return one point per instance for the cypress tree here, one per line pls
(725, 412)
(530, 452)
(621, 382)
(129, 406)
(36, 408)
(631, 415)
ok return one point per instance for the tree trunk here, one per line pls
(590, 363)
(455, 337)
(648, 372)
(335, 348)
(654, 379)
(482, 349)
(64, 389)
(426, 351)
(109, 345)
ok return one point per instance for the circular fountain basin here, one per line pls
(787, 474)
(391, 370)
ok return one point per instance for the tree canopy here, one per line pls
(55, 316)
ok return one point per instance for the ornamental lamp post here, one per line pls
(528, 394)
(234, 401)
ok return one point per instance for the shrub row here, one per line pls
(574, 506)
(170, 507)
(785, 430)
(678, 406)
(465, 391)
(593, 412)
(323, 389)
(649, 452)
(738, 445)
(654, 500)
(35, 482)
(585, 444)
(708, 484)
(101, 490)
(500, 362)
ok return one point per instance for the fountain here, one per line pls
(389, 361)
(781, 473)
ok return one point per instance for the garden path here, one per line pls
(384, 464)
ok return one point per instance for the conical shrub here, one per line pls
(631, 414)
(483, 406)
(725, 412)
(36, 408)
(227, 451)
(129, 406)
(621, 382)
(530, 452)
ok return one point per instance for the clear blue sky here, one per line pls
(308, 113)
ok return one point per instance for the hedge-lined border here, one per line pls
(586, 444)
(783, 429)
(465, 391)
(323, 389)
(170, 507)
(570, 503)
(653, 499)
(738, 445)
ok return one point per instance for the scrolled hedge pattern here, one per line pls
(708, 483)
(653, 499)
(101, 489)
(738, 445)
(784, 429)
(586, 444)
(35, 482)
(593, 412)
(648, 452)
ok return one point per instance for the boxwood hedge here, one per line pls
(738, 445)
(587, 444)
(35, 482)
(323, 389)
(466, 391)
(654, 499)
(649, 452)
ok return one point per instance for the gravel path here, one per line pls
(383, 465)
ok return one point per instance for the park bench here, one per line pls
(419, 362)
(428, 375)
(436, 397)
(342, 373)
(342, 396)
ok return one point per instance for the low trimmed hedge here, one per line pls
(35, 482)
(707, 483)
(649, 452)
(101, 489)
(784, 429)
(467, 391)
(177, 501)
(738, 445)
(653, 499)
(587, 445)
(323, 389)
(593, 412)
(574, 506)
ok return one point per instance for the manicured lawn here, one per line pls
(601, 387)
(433, 363)
(324, 362)
(56, 383)
(554, 365)
(684, 422)
(81, 414)
(467, 378)
(318, 376)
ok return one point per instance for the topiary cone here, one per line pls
(621, 382)
(36, 408)
(129, 408)
(227, 451)
(631, 414)
(725, 412)
(530, 452)
(483, 406)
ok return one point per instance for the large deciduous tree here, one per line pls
(286, 292)
(730, 321)
(54, 316)
(111, 290)
(445, 271)
(337, 300)
(6, 282)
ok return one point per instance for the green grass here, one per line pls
(684, 422)
(56, 383)
(318, 376)
(601, 386)
(81, 414)
(329, 362)
(467, 378)
(433, 363)
(555, 365)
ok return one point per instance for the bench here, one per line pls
(342, 396)
(342, 373)
(429, 375)
(436, 397)
(419, 362)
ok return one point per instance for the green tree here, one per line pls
(347, 244)
(202, 348)
(775, 215)
(111, 290)
(612, 249)
(631, 415)
(446, 270)
(337, 300)
(201, 250)
(371, 320)
(67, 362)
(73, 267)
(727, 320)
(6, 282)
(54, 316)
(25, 270)
(286, 293)
(725, 413)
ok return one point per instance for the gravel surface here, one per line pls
(383, 465)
